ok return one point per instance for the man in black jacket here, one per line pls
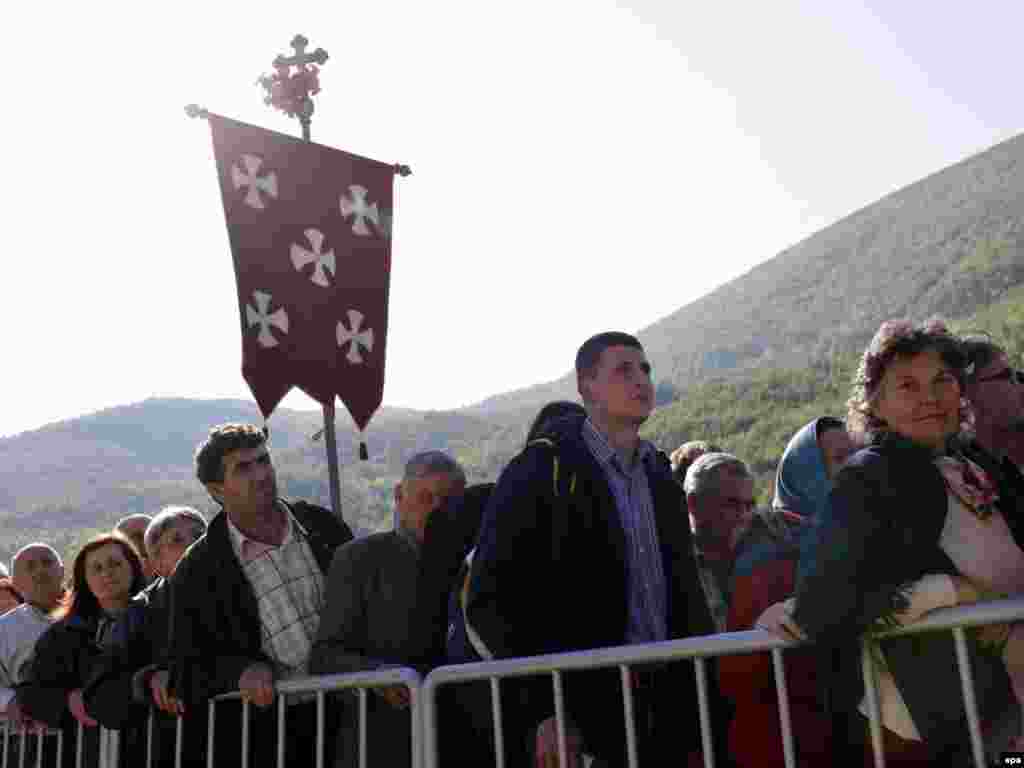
(246, 598)
(584, 545)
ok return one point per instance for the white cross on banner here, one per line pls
(310, 231)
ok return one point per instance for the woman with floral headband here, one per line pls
(919, 519)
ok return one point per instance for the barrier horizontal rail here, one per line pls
(422, 697)
(955, 619)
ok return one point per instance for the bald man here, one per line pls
(134, 527)
(37, 573)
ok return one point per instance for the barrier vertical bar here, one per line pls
(280, 730)
(60, 747)
(320, 703)
(629, 714)
(79, 743)
(21, 747)
(970, 701)
(113, 748)
(211, 729)
(149, 738)
(416, 724)
(179, 740)
(871, 691)
(782, 691)
(39, 750)
(362, 728)
(700, 667)
(429, 719)
(5, 731)
(499, 726)
(245, 733)
(556, 681)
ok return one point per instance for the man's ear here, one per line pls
(217, 491)
(583, 388)
(691, 503)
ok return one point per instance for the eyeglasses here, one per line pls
(1007, 374)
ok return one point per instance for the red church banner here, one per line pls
(310, 231)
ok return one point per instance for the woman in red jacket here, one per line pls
(766, 573)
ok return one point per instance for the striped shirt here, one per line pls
(289, 590)
(645, 574)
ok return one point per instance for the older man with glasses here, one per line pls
(994, 391)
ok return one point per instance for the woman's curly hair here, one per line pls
(901, 339)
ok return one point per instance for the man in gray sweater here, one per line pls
(367, 620)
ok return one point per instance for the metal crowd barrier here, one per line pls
(16, 749)
(32, 747)
(699, 649)
(25, 749)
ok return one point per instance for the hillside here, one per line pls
(948, 245)
(67, 480)
(746, 365)
(755, 416)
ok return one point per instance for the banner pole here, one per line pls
(331, 444)
(303, 110)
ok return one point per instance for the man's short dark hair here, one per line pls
(589, 355)
(980, 349)
(222, 440)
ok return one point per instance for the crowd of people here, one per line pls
(590, 538)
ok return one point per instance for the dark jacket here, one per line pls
(65, 659)
(880, 535)
(450, 534)
(215, 631)
(118, 695)
(111, 697)
(549, 575)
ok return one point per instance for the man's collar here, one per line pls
(602, 450)
(409, 537)
(34, 610)
(239, 539)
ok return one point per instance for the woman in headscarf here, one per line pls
(766, 573)
(93, 618)
(919, 519)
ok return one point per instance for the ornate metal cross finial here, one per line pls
(301, 58)
(291, 92)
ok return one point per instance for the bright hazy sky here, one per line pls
(578, 166)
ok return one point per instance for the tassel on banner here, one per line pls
(364, 455)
